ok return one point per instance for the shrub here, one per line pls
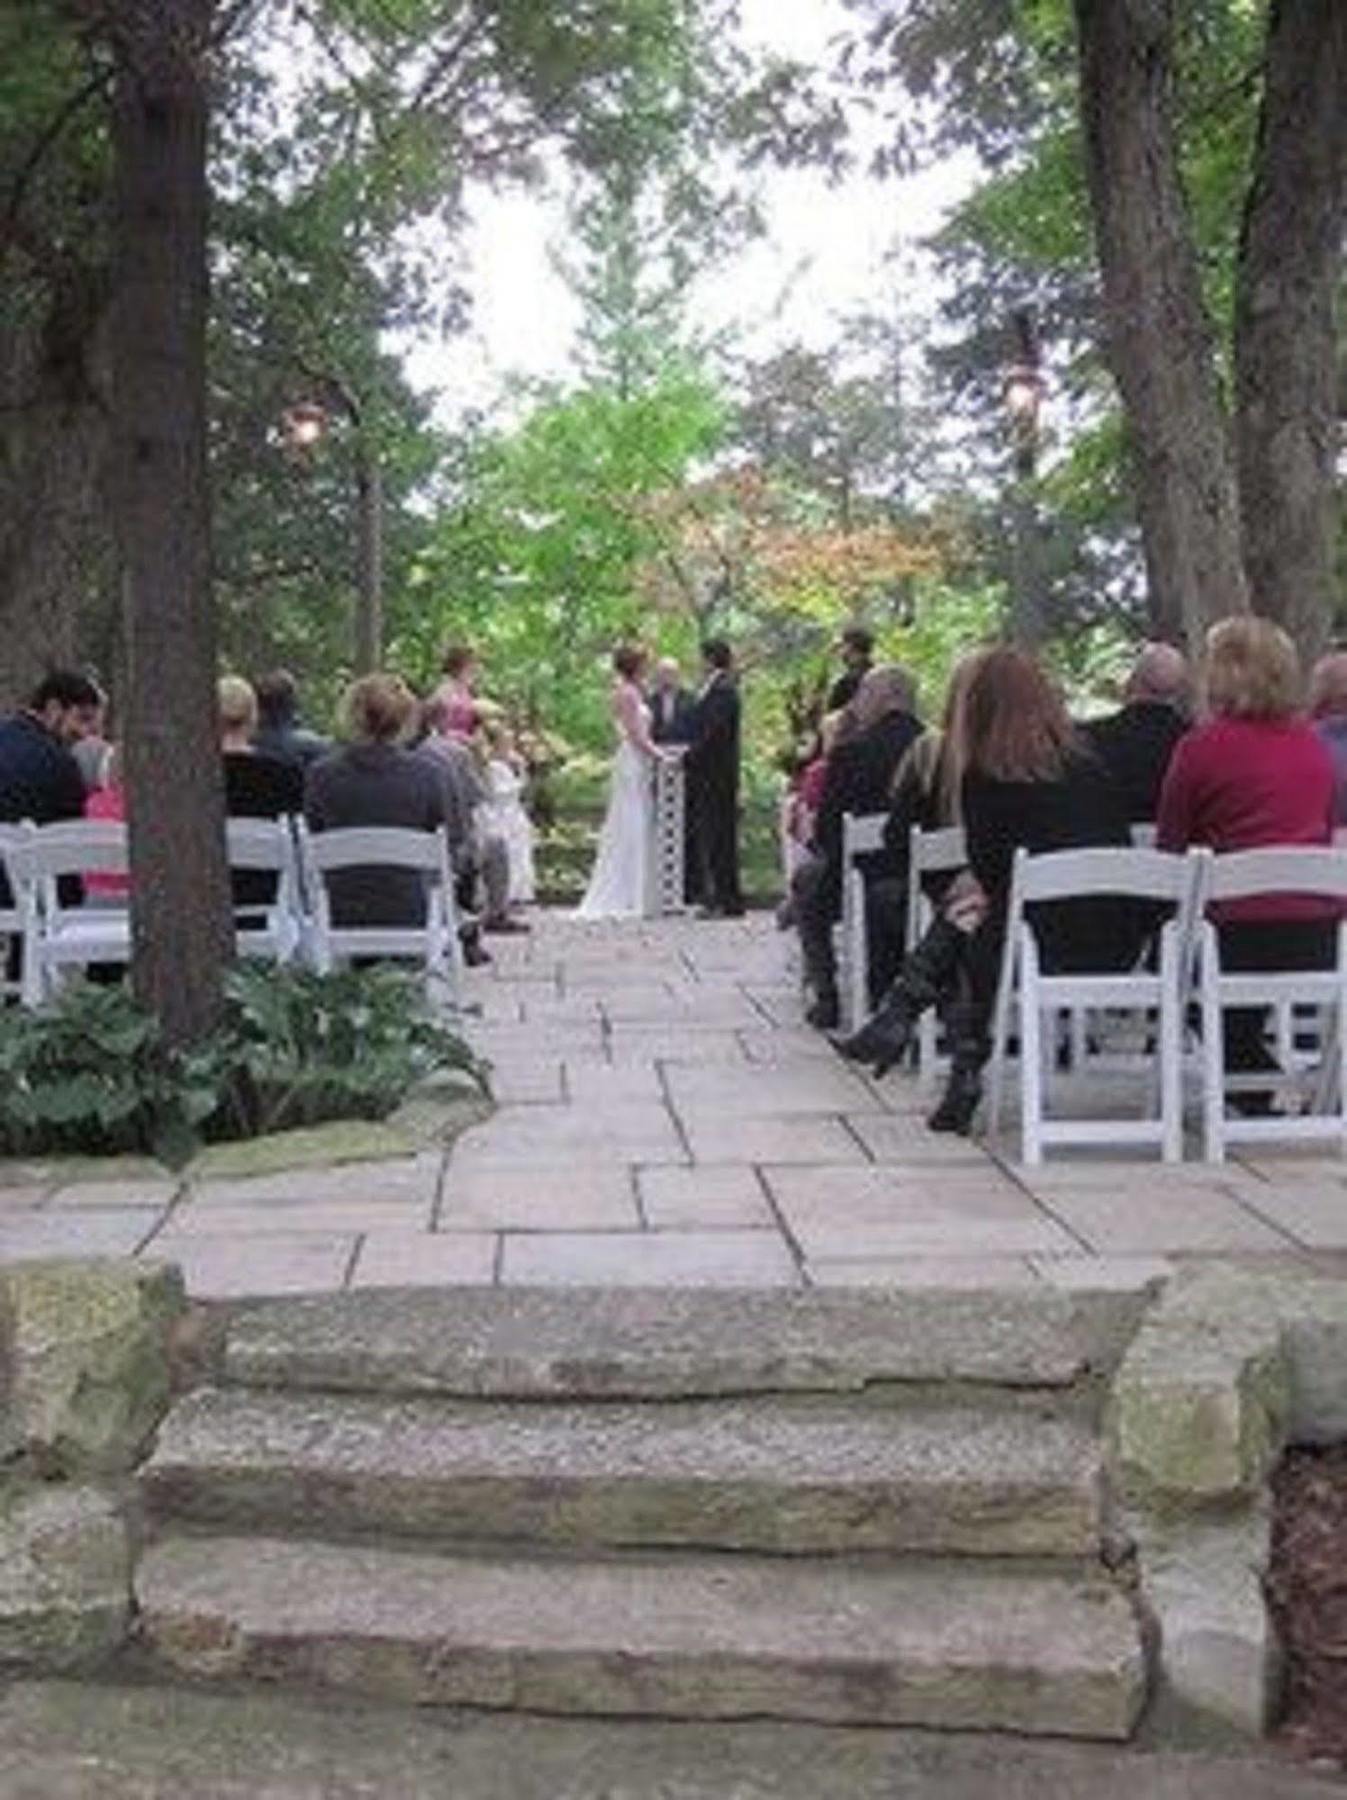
(90, 1073)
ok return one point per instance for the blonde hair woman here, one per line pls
(1256, 773)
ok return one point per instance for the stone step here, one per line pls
(740, 1474)
(955, 1646)
(66, 1741)
(673, 1343)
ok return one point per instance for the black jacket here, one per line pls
(713, 749)
(39, 780)
(1082, 807)
(859, 779)
(1135, 745)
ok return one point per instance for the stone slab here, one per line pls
(675, 1343)
(612, 1084)
(634, 1044)
(420, 1259)
(1313, 1213)
(409, 1180)
(731, 1475)
(1091, 1274)
(975, 1273)
(903, 1138)
(62, 1741)
(930, 1644)
(707, 1196)
(890, 1194)
(103, 1232)
(718, 1137)
(227, 1268)
(520, 1081)
(1138, 1221)
(638, 1131)
(113, 1194)
(289, 1218)
(792, 1091)
(586, 1196)
(733, 1259)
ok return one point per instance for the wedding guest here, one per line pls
(877, 727)
(477, 856)
(458, 708)
(39, 776)
(107, 801)
(927, 793)
(375, 780)
(504, 814)
(1029, 780)
(257, 785)
(1328, 709)
(279, 732)
(857, 647)
(1136, 742)
(1256, 773)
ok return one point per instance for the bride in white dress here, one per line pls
(622, 880)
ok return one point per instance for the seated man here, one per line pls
(1135, 743)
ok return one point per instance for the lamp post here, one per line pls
(1022, 394)
(303, 426)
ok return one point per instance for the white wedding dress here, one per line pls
(622, 880)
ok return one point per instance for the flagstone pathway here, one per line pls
(666, 1117)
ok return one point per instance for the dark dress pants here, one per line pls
(1268, 944)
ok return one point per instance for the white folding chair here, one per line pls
(273, 929)
(928, 853)
(11, 916)
(862, 833)
(1242, 875)
(435, 943)
(56, 935)
(1142, 875)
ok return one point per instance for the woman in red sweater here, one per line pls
(1255, 774)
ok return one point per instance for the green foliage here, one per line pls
(538, 565)
(90, 1074)
(299, 1047)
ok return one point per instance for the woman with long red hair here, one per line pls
(1030, 781)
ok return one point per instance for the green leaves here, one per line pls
(89, 1074)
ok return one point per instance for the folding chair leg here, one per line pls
(1031, 1071)
(1170, 1025)
(1213, 1070)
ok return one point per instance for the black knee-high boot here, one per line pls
(926, 974)
(969, 1047)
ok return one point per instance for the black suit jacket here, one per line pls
(859, 779)
(1135, 746)
(713, 749)
(679, 726)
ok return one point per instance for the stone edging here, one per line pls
(1229, 1367)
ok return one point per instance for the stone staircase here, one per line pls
(844, 1508)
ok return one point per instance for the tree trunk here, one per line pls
(57, 576)
(369, 592)
(181, 916)
(1159, 336)
(1290, 260)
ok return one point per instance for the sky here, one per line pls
(827, 250)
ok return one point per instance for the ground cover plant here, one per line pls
(92, 1073)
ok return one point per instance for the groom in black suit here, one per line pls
(713, 782)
